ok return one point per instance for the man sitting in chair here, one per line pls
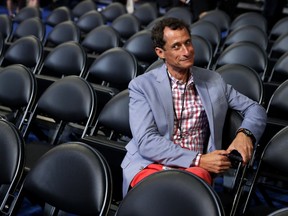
(177, 113)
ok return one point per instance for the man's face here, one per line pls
(178, 51)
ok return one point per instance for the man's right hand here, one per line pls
(215, 162)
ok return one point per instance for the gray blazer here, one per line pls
(152, 119)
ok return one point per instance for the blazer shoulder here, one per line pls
(157, 74)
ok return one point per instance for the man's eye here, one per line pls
(176, 46)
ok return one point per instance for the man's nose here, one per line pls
(186, 49)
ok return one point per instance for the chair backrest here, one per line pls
(279, 212)
(83, 7)
(146, 13)
(158, 63)
(126, 25)
(273, 166)
(89, 21)
(58, 15)
(17, 91)
(26, 13)
(153, 22)
(244, 79)
(244, 53)
(115, 67)
(203, 52)
(182, 13)
(101, 39)
(6, 26)
(141, 45)
(279, 47)
(220, 18)
(114, 117)
(61, 33)
(249, 18)
(249, 33)
(279, 28)
(110, 135)
(158, 194)
(279, 71)
(68, 58)
(209, 31)
(276, 110)
(12, 162)
(278, 105)
(110, 73)
(112, 11)
(67, 100)
(17, 53)
(84, 188)
(32, 26)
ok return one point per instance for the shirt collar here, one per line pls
(174, 82)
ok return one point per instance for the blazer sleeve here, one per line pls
(254, 114)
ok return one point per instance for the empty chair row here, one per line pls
(69, 31)
(146, 13)
(97, 41)
(69, 107)
(64, 13)
(226, 25)
(140, 45)
(110, 73)
(31, 26)
(72, 191)
(65, 53)
(145, 55)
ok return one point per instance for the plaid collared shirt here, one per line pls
(190, 120)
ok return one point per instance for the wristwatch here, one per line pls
(247, 133)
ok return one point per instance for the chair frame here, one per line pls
(23, 104)
(266, 160)
(18, 142)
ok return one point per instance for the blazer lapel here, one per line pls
(203, 92)
(165, 95)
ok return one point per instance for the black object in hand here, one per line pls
(235, 158)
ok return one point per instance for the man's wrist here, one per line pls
(247, 133)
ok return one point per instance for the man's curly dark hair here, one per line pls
(158, 30)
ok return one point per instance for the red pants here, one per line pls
(153, 168)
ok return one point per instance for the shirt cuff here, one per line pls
(197, 160)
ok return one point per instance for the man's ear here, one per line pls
(160, 52)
